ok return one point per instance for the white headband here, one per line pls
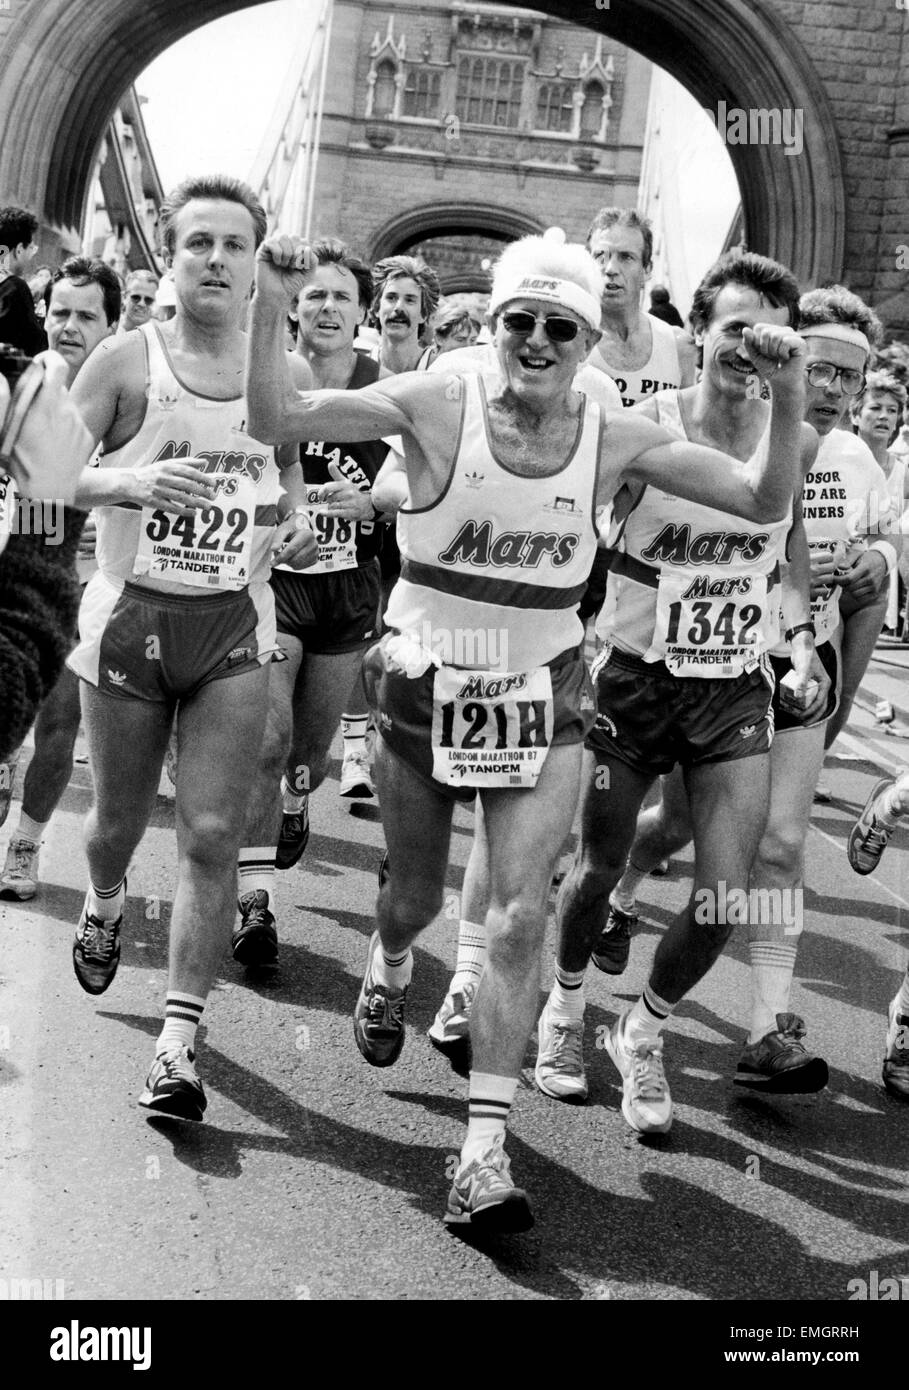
(564, 294)
(840, 332)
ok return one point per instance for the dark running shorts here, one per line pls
(784, 720)
(654, 721)
(144, 644)
(595, 593)
(328, 613)
(404, 710)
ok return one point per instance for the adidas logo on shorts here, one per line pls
(116, 677)
(238, 654)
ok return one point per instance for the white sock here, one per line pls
(106, 903)
(772, 965)
(471, 955)
(292, 802)
(182, 1013)
(894, 803)
(566, 999)
(256, 869)
(393, 972)
(490, 1101)
(353, 732)
(646, 1019)
(29, 829)
(624, 894)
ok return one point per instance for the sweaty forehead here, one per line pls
(66, 295)
(214, 215)
(745, 302)
(618, 238)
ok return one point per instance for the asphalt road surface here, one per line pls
(315, 1176)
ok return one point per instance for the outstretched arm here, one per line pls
(760, 489)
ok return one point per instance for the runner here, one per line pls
(83, 308)
(325, 617)
(180, 615)
(691, 607)
(498, 540)
(886, 807)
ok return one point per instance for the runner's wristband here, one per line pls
(886, 549)
(799, 627)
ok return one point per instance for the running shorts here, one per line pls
(145, 644)
(328, 613)
(654, 721)
(403, 707)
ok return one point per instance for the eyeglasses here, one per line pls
(142, 299)
(823, 373)
(558, 329)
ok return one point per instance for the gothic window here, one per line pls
(554, 106)
(592, 111)
(489, 91)
(383, 102)
(421, 93)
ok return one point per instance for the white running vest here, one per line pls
(500, 559)
(690, 585)
(226, 546)
(661, 371)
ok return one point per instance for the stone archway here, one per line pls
(64, 63)
(448, 219)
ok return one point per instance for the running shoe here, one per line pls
(483, 1194)
(449, 1031)
(646, 1102)
(294, 837)
(19, 879)
(895, 1071)
(613, 945)
(384, 870)
(559, 1071)
(868, 838)
(778, 1062)
(173, 1088)
(96, 951)
(356, 778)
(7, 778)
(255, 940)
(379, 1017)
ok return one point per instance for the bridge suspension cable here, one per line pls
(284, 171)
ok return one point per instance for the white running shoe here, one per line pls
(559, 1071)
(646, 1102)
(19, 879)
(356, 778)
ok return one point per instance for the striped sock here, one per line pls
(392, 971)
(566, 1000)
(106, 903)
(256, 869)
(490, 1101)
(646, 1019)
(471, 954)
(353, 731)
(182, 1013)
(772, 966)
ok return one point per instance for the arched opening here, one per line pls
(64, 62)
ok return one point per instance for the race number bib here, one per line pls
(490, 729)
(211, 549)
(710, 624)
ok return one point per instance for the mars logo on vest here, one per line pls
(215, 460)
(675, 545)
(476, 544)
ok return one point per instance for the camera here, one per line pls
(12, 363)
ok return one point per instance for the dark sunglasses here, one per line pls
(558, 329)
